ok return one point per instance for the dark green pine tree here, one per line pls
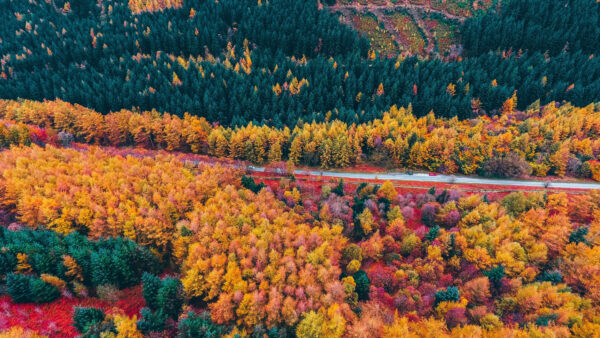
(84, 317)
(362, 284)
(43, 292)
(19, 288)
(151, 287)
(151, 321)
(101, 267)
(170, 297)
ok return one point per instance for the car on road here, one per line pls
(432, 174)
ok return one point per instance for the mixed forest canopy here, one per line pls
(128, 206)
(283, 61)
(287, 258)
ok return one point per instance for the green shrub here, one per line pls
(339, 188)
(103, 329)
(248, 183)
(8, 262)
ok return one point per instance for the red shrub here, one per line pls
(55, 319)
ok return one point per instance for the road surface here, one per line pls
(420, 177)
(417, 177)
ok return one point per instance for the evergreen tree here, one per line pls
(151, 322)
(84, 317)
(19, 288)
(43, 292)
(170, 297)
(363, 284)
(151, 287)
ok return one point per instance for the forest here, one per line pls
(288, 257)
(158, 160)
(287, 62)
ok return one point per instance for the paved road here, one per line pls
(419, 177)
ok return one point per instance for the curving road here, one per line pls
(441, 178)
(391, 176)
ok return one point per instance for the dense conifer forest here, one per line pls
(283, 61)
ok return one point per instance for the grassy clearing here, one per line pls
(407, 28)
(381, 40)
(454, 7)
(445, 33)
(368, 2)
